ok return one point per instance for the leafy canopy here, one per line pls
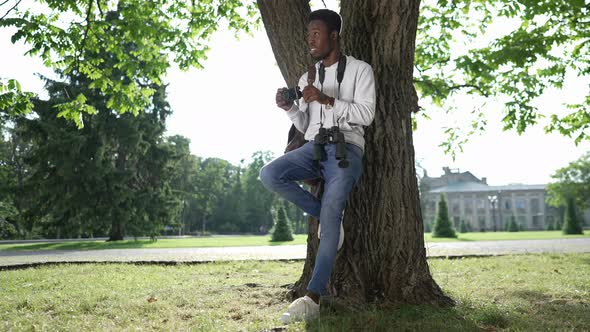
(145, 37)
(544, 40)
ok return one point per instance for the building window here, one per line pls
(534, 205)
(521, 220)
(456, 208)
(520, 204)
(468, 204)
(481, 206)
(536, 221)
(507, 205)
(456, 222)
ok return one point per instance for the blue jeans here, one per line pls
(280, 176)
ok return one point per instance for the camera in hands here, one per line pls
(292, 94)
(330, 136)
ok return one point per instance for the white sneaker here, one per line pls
(304, 308)
(340, 240)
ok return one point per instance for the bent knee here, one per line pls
(267, 176)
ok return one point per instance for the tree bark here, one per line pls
(285, 23)
(383, 259)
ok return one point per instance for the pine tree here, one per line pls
(7, 230)
(512, 225)
(282, 230)
(442, 224)
(111, 176)
(571, 223)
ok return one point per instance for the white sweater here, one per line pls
(353, 109)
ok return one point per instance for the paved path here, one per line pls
(285, 252)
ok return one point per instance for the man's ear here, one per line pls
(334, 35)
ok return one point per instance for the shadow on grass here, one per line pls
(403, 318)
(465, 240)
(92, 245)
(551, 311)
(278, 243)
(543, 313)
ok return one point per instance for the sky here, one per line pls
(227, 110)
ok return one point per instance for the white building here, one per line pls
(486, 207)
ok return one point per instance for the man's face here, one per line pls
(319, 40)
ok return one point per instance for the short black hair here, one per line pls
(332, 19)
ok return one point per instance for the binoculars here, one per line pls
(330, 136)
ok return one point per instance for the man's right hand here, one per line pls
(281, 102)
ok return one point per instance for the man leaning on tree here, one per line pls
(330, 103)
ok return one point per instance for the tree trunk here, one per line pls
(383, 258)
(285, 23)
(117, 223)
(116, 229)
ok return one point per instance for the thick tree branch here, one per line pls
(453, 87)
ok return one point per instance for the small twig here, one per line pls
(456, 87)
(67, 94)
(324, 4)
(88, 21)
(11, 9)
(442, 61)
(2, 4)
(99, 8)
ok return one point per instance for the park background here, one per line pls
(204, 141)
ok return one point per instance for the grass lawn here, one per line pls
(517, 293)
(254, 240)
(497, 236)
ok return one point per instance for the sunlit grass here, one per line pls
(497, 236)
(518, 293)
(258, 240)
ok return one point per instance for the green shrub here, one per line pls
(7, 230)
(282, 230)
(442, 224)
(512, 225)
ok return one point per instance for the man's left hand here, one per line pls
(311, 93)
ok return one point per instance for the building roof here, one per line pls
(480, 187)
(450, 177)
